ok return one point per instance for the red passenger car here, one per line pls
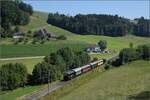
(85, 68)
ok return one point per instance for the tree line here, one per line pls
(51, 69)
(13, 13)
(142, 28)
(98, 24)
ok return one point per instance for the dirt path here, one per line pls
(18, 58)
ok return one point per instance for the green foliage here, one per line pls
(56, 64)
(91, 24)
(131, 54)
(95, 59)
(40, 73)
(102, 44)
(44, 73)
(128, 55)
(26, 7)
(107, 66)
(34, 41)
(17, 29)
(142, 27)
(144, 51)
(131, 45)
(117, 84)
(12, 76)
(14, 13)
(68, 56)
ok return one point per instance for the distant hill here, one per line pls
(77, 41)
(99, 24)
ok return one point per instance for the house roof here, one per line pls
(44, 32)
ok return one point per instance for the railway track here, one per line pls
(45, 91)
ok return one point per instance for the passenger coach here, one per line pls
(81, 70)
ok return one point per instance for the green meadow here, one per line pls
(29, 63)
(38, 20)
(105, 84)
(115, 84)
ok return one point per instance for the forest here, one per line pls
(99, 24)
(13, 13)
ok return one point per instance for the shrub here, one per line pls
(13, 76)
(107, 66)
(128, 55)
(102, 44)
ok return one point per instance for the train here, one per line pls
(70, 74)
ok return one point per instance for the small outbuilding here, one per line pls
(18, 35)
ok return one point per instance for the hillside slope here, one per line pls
(120, 83)
(38, 20)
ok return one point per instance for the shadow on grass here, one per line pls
(145, 95)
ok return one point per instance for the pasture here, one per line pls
(127, 80)
(21, 50)
(29, 63)
(38, 20)
(118, 84)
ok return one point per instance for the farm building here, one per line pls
(44, 33)
(93, 48)
(18, 35)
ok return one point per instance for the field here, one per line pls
(38, 20)
(76, 42)
(21, 92)
(115, 84)
(28, 62)
(21, 50)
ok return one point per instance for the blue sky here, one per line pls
(125, 8)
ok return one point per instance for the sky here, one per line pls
(125, 8)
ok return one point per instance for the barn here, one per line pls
(42, 33)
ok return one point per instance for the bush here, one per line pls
(102, 44)
(128, 55)
(42, 41)
(25, 40)
(107, 66)
(35, 40)
(144, 51)
(13, 76)
(44, 73)
(95, 59)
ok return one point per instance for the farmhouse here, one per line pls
(44, 33)
(93, 48)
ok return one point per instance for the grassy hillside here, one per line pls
(18, 94)
(38, 20)
(117, 84)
